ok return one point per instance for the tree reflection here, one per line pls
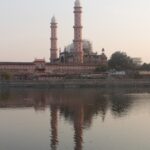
(4, 94)
(120, 104)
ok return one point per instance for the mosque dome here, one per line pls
(77, 3)
(87, 47)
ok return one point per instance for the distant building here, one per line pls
(144, 74)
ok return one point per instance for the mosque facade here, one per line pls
(77, 58)
(80, 51)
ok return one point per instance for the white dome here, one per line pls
(87, 47)
(53, 20)
(77, 3)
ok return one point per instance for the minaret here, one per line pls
(78, 47)
(54, 49)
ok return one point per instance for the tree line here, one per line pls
(120, 61)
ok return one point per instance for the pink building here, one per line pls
(78, 54)
(78, 60)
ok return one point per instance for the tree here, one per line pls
(100, 69)
(120, 61)
(5, 76)
(145, 67)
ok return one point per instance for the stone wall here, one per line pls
(43, 69)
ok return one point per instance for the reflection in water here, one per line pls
(120, 104)
(77, 106)
(54, 130)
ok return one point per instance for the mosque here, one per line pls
(77, 58)
(80, 51)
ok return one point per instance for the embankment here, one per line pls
(81, 83)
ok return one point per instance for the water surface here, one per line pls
(74, 119)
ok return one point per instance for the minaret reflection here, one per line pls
(54, 126)
(77, 107)
(78, 128)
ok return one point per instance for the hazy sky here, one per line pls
(111, 24)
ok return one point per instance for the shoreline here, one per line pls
(79, 83)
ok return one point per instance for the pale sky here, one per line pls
(111, 24)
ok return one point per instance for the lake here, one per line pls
(74, 119)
